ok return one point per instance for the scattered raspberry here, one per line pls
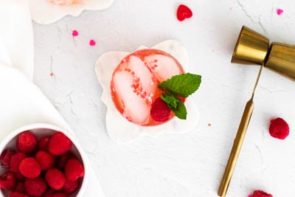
(7, 181)
(29, 168)
(26, 142)
(74, 169)
(15, 161)
(5, 157)
(160, 111)
(59, 144)
(17, 194)
(45, 160)
(71, 186)
(35, 187)
(75, 33)
(280, 11)
(259, 193)
(279, 128)
(55, 179)
(43, 143)
(184, 12)
(92, 43)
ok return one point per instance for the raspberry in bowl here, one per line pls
(41, 160)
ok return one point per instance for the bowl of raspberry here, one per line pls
(41, 160)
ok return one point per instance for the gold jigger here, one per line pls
(281, 59)
(251, 47)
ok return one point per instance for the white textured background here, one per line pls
(176, 165)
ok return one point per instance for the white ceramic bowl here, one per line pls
(41, 129)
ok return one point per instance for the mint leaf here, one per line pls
(183, 85)
(170, 100)
(175, 105)
(180, 112)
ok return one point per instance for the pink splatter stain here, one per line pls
(75, 33)
(51, 74)
(92, 43)
(280, 11)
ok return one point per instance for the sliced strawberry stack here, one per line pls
(135, 83)
(41, 167)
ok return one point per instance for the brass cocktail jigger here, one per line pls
(253, 48)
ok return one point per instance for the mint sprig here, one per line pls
(179, 86)
(182, 85)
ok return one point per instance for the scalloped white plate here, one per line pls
(44, 12)
(120, 129)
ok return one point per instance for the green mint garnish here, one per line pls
(175, 105)
(179, 86)
(182, 85)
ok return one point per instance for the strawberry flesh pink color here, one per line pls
(279, 128)
(135, 81)
(260, 193)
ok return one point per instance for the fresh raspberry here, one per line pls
(62, 160)
(160, 111)
(19, 176)
(55, 179)
(20, 187)
(49, 193)
(7, 181)
(71, 186)
(5, 157)
(15, 161)
(259, 193)
(26, 142)
(279, 128)
(60, 194)
(17, 194)
(74, 169)
(35, 187)
(29, 168)
(45, 159)
(59, 144)
(43, 143)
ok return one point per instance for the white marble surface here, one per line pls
(188, 164)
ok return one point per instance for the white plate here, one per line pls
(120, 129)
(44, 12)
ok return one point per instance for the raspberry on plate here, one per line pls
(7, 181)
(160, 111)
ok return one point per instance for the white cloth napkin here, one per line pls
(22, 102)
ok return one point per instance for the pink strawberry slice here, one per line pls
(184, 12)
